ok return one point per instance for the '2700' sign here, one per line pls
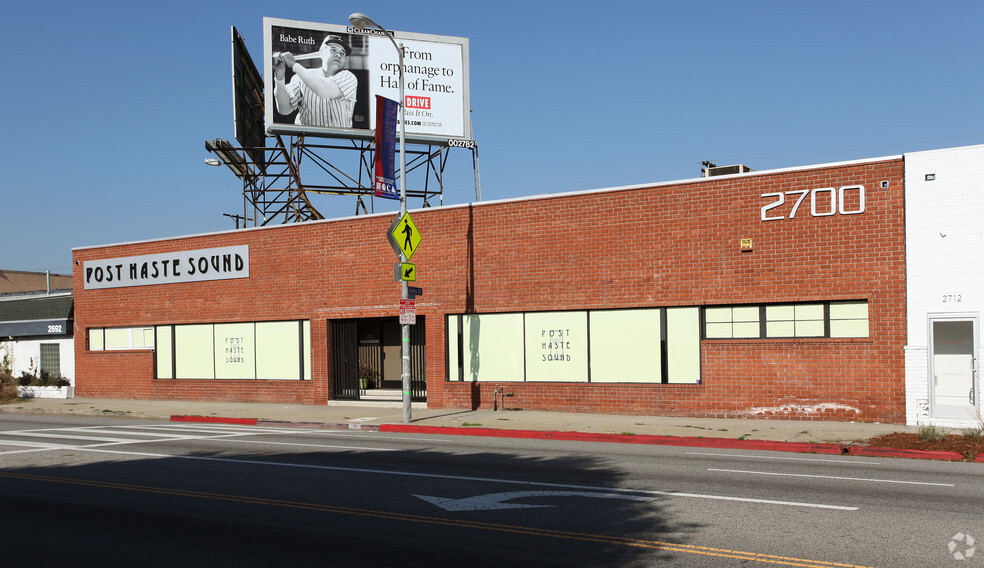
(824, 202)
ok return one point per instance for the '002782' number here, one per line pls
(824, 202)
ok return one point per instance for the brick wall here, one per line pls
(668, 245)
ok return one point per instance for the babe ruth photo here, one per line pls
(323, 95)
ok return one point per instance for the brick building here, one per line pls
(766, 294)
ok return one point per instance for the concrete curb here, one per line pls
(645, 439)
(895, 453)
(214, 420)
(688, 441)
(259, 422)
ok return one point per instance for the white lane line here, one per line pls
(872, 480)
(218, 437)
(39, 445)
(479, 479)
(311, 445)
(117, 432)
(67, 437)
(787, 458)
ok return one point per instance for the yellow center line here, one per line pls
(529, 531)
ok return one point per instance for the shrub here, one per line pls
(26, 379)
(973, 434)
(369, 376)
(45, 380)
(8, 388)
(932, 434)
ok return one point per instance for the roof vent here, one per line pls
(712, 170)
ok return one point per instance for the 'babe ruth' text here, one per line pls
(286, 38)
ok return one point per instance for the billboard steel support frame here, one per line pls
(294, 171)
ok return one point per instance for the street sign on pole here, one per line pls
(408, 272)
(408, 311)
(404, 236)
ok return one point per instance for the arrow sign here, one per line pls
(409, 274)
(495, 501)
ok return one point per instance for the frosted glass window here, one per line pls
(278, 348)
(235, 351)
(849, 319)
(118, 338)
(557, 346)
(493, 347)
(452, 345)
(165, 353)
(306, 330)
(794, 320)
(96, 342)
(625, 346)
(194, 353)
(683, 345)
(731, 322)
(147, 338)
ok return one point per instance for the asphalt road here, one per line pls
(110, 491)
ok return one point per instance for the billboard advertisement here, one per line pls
(322, 79)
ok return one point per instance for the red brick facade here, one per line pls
(654, 246)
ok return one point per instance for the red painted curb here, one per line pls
(214, 419)
(688, 441)
(896, 453)
(685, 441)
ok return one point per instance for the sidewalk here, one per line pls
(389, 416)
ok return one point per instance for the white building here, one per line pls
(36, 333)
(944, 207)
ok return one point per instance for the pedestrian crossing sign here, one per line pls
(404, 236)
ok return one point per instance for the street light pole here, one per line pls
(362, 21)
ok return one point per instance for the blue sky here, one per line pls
(108, 104)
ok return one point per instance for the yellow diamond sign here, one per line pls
(404, 236)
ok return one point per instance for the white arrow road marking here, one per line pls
(493, 501)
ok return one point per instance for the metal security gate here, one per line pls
(349, 351)
(418, 361)
(345, 359)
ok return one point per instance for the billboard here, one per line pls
(321, 80)
(247, 101)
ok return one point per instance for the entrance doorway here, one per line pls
(954, 388)
(367, 361)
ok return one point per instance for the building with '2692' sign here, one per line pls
(845, 291)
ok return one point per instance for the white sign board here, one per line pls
(222, 263)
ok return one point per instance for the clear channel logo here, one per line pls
(961, 546)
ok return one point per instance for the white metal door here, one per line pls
(953, 368)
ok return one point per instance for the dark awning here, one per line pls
(36, 315)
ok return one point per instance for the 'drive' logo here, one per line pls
(419, 102)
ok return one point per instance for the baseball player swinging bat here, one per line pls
(302, 57)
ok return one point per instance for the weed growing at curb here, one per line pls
(932, 433)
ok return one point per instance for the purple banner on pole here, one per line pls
(385, 179)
